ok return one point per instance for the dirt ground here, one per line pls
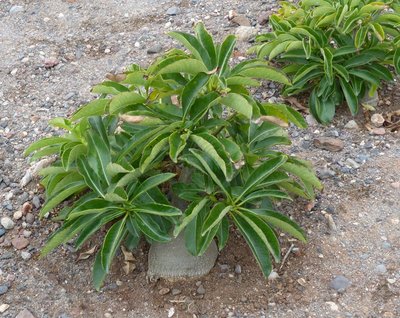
(353, 227)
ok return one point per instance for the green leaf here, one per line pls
(188, 66)
(192, 90)
(262, 172)
(117, 194)
(360, 36)
(158, 209)
(328, 57)
(109, 87)
(151, 228)
(191, 212)
(91, 206)
(214, 148)
(305, 174)
(365, 75)
(57, 198)
(214, 217)
(260, 194)
(91, 179)
(177, 144)
(111, 243)
(342, 72)
(351, 98)
(113, 169)
(44, 143)
(98, 274)
(223, 233)
(238, 103)
(396, 60)
(94, 108)
(267, 73)
(256, 244)
(150, 183)
(225, 53)
(194, 46)
(156, 149)
(207, 41)
(123, 100)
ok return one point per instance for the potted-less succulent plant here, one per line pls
(180, 149)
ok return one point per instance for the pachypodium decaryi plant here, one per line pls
(186, 128)
(338, 50)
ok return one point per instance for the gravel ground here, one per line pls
(54, 51)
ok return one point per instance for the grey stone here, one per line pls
(224, 267)
(201, 290)
(7, 223)
(370, 100)
(386, 245)
(2, 232)
(380, 269)
(175, 292)
(36, 202)
(238, 269)
(352, 164)
(173, 11)
(26, 256)
(172, 260)
(340, 283)
(30, 218)
(352, 125)
(245, 33)
(154, 49)
(311, 121)
(3, 289)
(16, 9)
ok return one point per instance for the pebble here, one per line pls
(16, 9)
(201, 290)
(328, 143)
(4, 307)
(224, 267)
(7, 223)
(340, 283)
(238, 269)
(377, 120)
(30, 218)
(175, 292)
(19, 242)
(241, 20)
(17, 215)
(395, 185)
(50, 62)
(26, 255)
(263, 18)
(25, 314)
(352, 164)
(154, 49)
(245, 33)
(3, 289)
(27, 233)
(164, 291)
(26, 208)
(273, 275)
(351, 125)
(173, 11)
(380, 269)
(378, 131)
(36, 202)
(333, 306)
(311, 121)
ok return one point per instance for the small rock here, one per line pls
(173, 11)
(340, 283)
(30, 218)
(3, 289)
(377, 120)
(27, 233)
(395, 185)
(263, 18)
(380, 269)
(175, 292)
(378, 131)
(2, 232)
(326, 173)
(36, 202)
(7, 223)
(19, 242)
(164, 291)
(245, 33)
(352, 125)
(17, 215)
(238, 269)
(273, 275)
(224, 267)
(4, 307)
(328, 143)
(25, 314)
(26, 255)
(331, 222)
(171, 312)
(333, 306)
(201, 290)
(26, 208)
(241, 20)
(352, 164)
(16, 9)
(311, 121)
(154, 49)
(50, 62)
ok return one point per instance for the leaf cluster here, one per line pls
(178, 147)
(338, 50)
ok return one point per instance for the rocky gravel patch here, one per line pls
(53, 52)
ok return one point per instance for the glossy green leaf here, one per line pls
(188, 66)
(152, 182)
(214, 217)
(351, 98)
(191, 212)
(111, 243)
(123, 100)
(158, 209)
(223, 233)
(191, 91)
(97, 107)
(238, 103)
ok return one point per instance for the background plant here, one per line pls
(184, 130)
(338, 50)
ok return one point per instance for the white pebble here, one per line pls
(7, 223)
